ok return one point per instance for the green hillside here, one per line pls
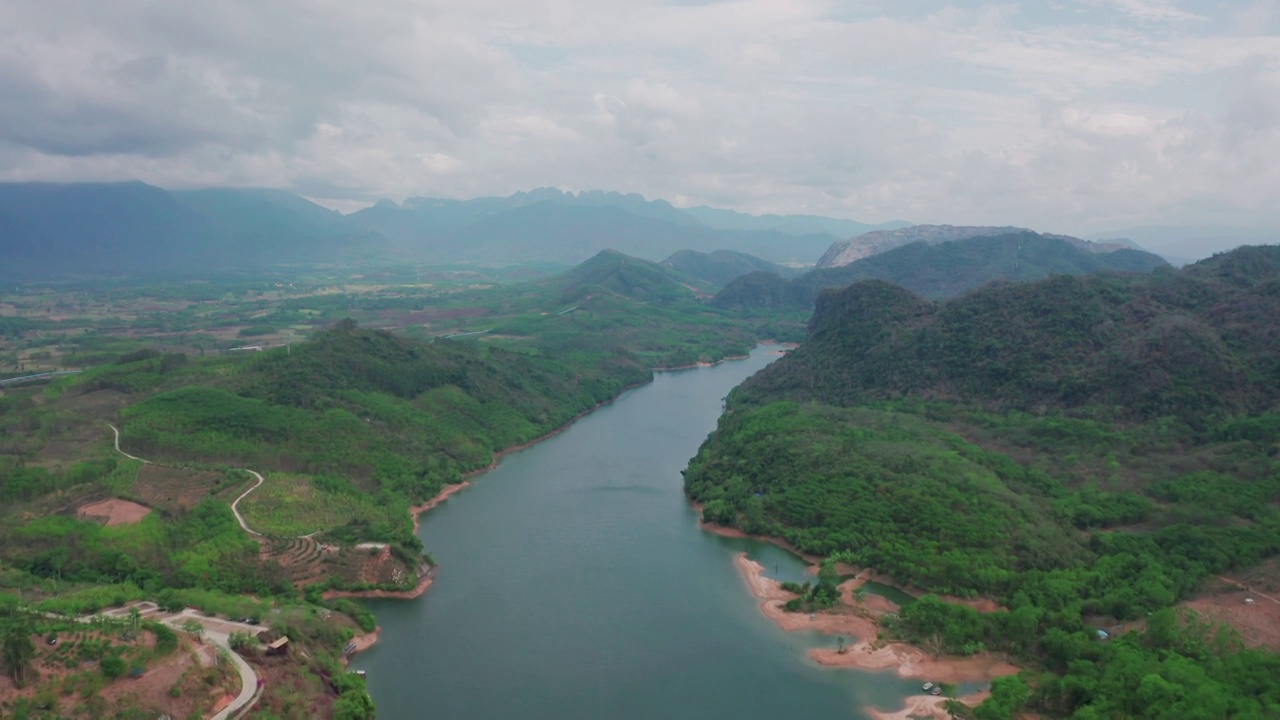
(939, 271)
(613, 272)
(1087, 451)
(716, 269)
(1193, 345)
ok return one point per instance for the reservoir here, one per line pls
(574, 583)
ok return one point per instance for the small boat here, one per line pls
(927, 687)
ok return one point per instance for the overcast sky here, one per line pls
(1063, 116)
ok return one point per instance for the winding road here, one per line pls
(235, 504)
(248, 678)
(214, 629)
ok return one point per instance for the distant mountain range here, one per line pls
(1185, 244)
(49, 230)
(871, 243)
(938, 270)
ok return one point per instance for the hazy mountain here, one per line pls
(844, 252)
(49, 230)
(716, 269)
(790, 224)
(1187, 243)
(938, 271)
(612, 272)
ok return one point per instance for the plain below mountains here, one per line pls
(938, 270)
(50, 230)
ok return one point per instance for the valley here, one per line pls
(1068, 440)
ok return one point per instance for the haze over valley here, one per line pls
(738, 358)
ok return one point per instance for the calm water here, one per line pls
(574, 583)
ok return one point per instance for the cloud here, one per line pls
(1074, 118)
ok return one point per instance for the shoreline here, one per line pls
(361, 643)
(417, 511)
(424, 583)
(858, 622)
(702, 364)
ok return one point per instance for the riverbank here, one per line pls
(859, 622)
(360, 643)
(692, 366)
(424, 583)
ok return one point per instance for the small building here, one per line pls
(279, 646)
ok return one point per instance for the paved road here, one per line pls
(216, 630)
(219, 632)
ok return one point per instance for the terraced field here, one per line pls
(306, 562)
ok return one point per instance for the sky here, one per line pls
(1062, 116)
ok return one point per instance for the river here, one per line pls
(574, 583)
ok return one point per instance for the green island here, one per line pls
(1095, 457)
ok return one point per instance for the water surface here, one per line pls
(574, 583)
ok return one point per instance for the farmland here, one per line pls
(289, 505)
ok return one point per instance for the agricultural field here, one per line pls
(173, 489)
(78, 670)
(71, 326)
(290, 505)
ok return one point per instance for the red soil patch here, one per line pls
(149, 692)
(116, 511)
(1257, 622)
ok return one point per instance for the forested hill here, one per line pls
(1192, 343)
(716, 269)
(1088, 451)
(938, 271)
(385, 412)
(610, 271)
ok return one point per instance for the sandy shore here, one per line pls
(857, 621)
(362, 643)
(925, 706)
(691, 366)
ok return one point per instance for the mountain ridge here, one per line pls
(938, 270)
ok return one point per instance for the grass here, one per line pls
(290, 505)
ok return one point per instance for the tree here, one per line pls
(112, 666)
(18, 651)
(840, 645)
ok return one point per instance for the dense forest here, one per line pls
(937, 271)
(1086, 451)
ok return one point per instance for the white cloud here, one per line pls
(1076, 118)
